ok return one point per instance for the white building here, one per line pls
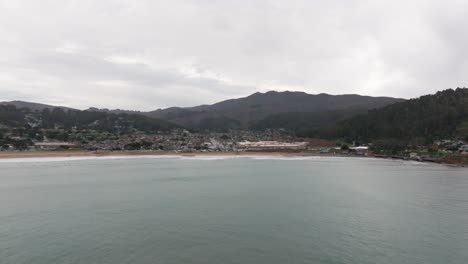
(271, 145)
(361, 150)
(53, 145)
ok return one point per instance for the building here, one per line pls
(271, 145)
(464, 150)
(53, 145)
(361, 150)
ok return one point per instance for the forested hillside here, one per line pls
(437, 116)
(304, 124)
(24, 118)
(268, 110)
(349, 117)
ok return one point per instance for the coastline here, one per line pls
(84, 153)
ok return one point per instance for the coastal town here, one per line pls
(395, 133)
(177, 140)
(234, 141)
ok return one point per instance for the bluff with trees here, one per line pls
(420, 121)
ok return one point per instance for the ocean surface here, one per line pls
(231, 210)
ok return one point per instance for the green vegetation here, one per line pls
(244, 113)
(23, 118)
(218, 124)
(19, 126)
(416, 121)
(304, 124)
(432, 126)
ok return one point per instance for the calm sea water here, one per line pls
(232, 210)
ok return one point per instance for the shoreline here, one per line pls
(84, 153)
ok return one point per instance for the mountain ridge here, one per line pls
(257, 106)
(246, 112)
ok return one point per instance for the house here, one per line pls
(361, 150)
(272, 145)
(464, 150)
(324, 150)
(53, 145)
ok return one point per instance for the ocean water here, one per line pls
(231, 210)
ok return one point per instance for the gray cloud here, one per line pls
(150, 54)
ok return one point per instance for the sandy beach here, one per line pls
(82, 153)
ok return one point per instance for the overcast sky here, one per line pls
(145, 55)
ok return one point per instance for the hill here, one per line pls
(254, 111)
(438, 116)
(34, 106)
(24, 118)
(305, 124)
(299, 112)
(295, 111)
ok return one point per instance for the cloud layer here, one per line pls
(150, 54)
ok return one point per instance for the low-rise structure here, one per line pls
(361, 150)
(53, 145)
(464, 150)
(271, 145)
